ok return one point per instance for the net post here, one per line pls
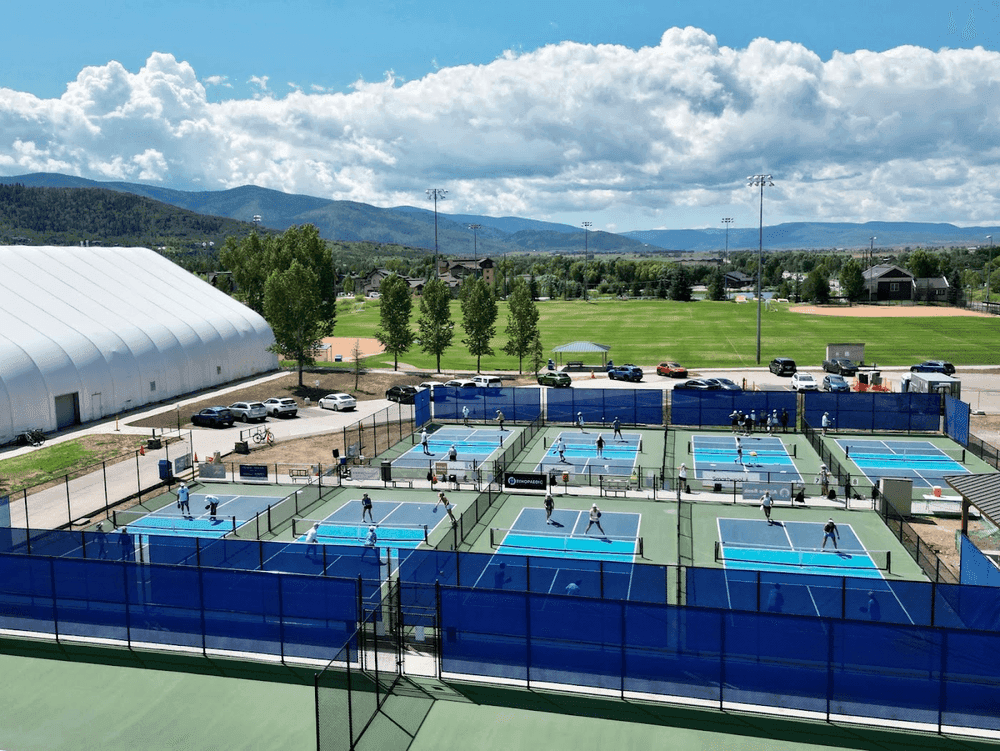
(642, 553)
(718, 551)
(425, 535)
(234, 524)
(888, 561)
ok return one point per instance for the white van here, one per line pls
(487, 382)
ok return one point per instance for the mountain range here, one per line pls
(414, 227)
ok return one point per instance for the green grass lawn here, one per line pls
(706, 334)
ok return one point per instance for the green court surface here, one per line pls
(69, 697)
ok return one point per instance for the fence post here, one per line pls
(69, 508)
(107, 502)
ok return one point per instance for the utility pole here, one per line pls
(586, 255)
(755, 181)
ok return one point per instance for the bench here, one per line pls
(616, 487)
(300, 474)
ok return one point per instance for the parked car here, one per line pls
(430, 386)
(401, 394)
(672, 369)
(835, 383)
(725, 384)
(840, 365)
(699, 384)
(461, 383)
(554, 379)
(487, 382)
(338, 402)
(804, 382)
(782, 366)
(214, 417)
(626, 373)
(281, 406)
(249, 411)
(933, 366)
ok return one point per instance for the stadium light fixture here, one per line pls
(436, 194)
(760, 181)
(586, 255)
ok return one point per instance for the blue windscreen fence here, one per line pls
(602, 406)
(956, 419)
(976, 568)
(875, 411)
(517, 405)
(339, 561)
(937, 677)
(422, 407)
(283, 615)
(713, 408)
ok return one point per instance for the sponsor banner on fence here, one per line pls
(4, 510)
(526, 480)
(182, 463)
(253, 472)
(782, 491)
(212, 470)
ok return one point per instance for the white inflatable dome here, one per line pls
(87, 333)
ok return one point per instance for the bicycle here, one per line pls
(263, 435)
(32, 437)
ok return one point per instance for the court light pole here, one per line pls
(759, 181)
(871, 266)
(586, 254)
(436, 194)
(727, 220)
(989, 269)
(475, 231)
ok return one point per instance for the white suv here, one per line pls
(487, 382)
(249, 411)
(281, 406)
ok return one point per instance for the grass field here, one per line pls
(706, 334)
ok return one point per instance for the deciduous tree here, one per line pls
(479, 317)
(395, 304)
(522, 322)
(435, 324)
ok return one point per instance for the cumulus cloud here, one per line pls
(659, 136)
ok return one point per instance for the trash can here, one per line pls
(386, 470)
(165, 472)
(242, 447)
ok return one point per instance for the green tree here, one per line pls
(435, 325)
(852, 280)
(395, 304)
(291, 305)
(717, 285)
(522, 322)
(537, 353)
(817, 287)
(680, 285)
(251, 261)
(479, 317)
(923, 264)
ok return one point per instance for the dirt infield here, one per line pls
(344, 346)
(887, 311)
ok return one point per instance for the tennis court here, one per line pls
(472, 445)
(577, 453)
(398, 524)
(755, 458)
(232, 511)
(920, 461)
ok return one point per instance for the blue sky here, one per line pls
(632, 115)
